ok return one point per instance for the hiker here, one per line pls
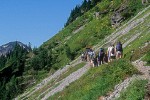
(92, 55)
(111, 53)
(88, 52)
(119, 50)
(87, 56)
(95, 64)
(101, 56)
(106, 58)
(83, 56)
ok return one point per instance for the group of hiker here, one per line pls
(103, 56)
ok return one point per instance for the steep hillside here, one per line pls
(88, 30)
(95, 31)
(93, 85)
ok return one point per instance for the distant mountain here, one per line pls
(7, 48)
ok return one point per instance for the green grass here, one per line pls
(97, 82)
(138, 47)
(138, 44)
(136, 91)
(147, 58)
(144, 13)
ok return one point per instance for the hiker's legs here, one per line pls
(101, 60)
(119, 55)
(109, 58)
(112, 58)
(98, 62)
(93, 65)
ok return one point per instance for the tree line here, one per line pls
(11, 67)
(79, 10)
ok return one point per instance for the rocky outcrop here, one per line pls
(97, 15)
(147, 96)
(9, 47)
(117, 17)
(144, 2)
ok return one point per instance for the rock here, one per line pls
(144, 2)
(101, 98)
(97, 15)
(116, 19)
(147, 96)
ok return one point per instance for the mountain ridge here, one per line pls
(8, 47)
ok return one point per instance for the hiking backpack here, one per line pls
(113, 51)
(119, 47)
(101, 52)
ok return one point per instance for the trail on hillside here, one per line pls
(145, 70)
(77, 74)
(145, 74)
(48, 79)
(71, 78)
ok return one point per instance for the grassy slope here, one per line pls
(138, 45)
(147, 58)
(97, 82)
(136, 91)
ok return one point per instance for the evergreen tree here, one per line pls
(94, 2)
(79, 10)
(13, 66)
(84, 6)
(89, 5)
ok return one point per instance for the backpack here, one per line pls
(119, 47)
(101, 52)
(92, 54)
(113, 51)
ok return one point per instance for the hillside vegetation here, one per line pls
(69, 43)
(57, 59)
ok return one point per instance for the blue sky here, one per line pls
(33, 21)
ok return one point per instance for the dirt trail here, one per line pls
(71, 78)
(48, 79)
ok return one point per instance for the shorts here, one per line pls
(119, 53)
(113, 57)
